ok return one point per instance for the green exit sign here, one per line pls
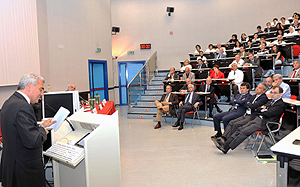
(98, 50)
(130, 52)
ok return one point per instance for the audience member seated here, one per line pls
(233, 39)
(198, 49)
(237, 76)
(255, 38)
(249, 46)
(264, 40)
(277, 60)
(172, 75)
(203, 58)
(279, 32)
(278, 81)
(295, 73)
(184, 88)
(191, 102)
(237, 60)
(237, 109)
(252, 106)
(283, 21)
(258, 28)
(270, 112)
(291, 32)
(268, 28)
(200, 74)
(220, 47)
(263, 50)
(165, 104)
(220, 54)
(188, 74)
(186, 63)
(71, 87)
(279, 27)
(257, 71)
(244, 38)
(279, 41)
(211, 97)
(269, 82)
(217, 74)
(274, 22)
(242, 52)
(296, 24)
(237, 46)
(210, 49)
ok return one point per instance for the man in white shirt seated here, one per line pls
(202, 57)
(263, 39)
(279, 41)
(186, 63)
(237, 76)
(295, 73)
(278, 81)
(238, 61)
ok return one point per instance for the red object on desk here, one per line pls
(108, 109)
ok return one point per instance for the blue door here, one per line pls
(98, 78)
(127, 71)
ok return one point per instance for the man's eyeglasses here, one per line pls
(273, 92)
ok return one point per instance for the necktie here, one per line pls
(294, 74)
(207, 89)
(188, 97)
(234, 73)
(270, 104)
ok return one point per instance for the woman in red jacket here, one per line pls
(215, 73)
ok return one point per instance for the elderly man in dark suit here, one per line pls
(237, 109)
(256, 101)
(190, 103)
(165, 104)
(211, 97)
(21, 162)
(270, 112)
(257, 71)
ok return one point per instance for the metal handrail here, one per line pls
(146, 65)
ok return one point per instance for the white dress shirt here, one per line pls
(241, 61)
(25, 96)
(238, 77)
(183, 67)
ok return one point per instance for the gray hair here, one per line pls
(265, 86)
(278, 75)
(191, 85)
(29, 78)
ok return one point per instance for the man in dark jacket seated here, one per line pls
(237, 109)
(191, 102)
(211, 97)
(165, 104)
(269, 112)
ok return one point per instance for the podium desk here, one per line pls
(101, 163)
(286, 151)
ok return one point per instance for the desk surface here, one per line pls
(291, 101)
(201, 93)
(286, 144)
(198, 80)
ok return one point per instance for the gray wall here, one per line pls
(193, 22)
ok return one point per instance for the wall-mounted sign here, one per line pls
(145, 46)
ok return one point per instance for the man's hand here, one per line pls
(180, 104)
(208, 98)
(246, 64)
(184, 91)
(165, 103)
(196, 104)
(48, 123)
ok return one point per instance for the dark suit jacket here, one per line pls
(185, 87)
(211, 90)
(240, 100)
(273, 114)
(260, 101)
(195, 99)
(258, 70)
(175, 76)
(173, 99)
(222, 55)
(23, 140)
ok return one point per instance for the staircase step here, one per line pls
(145, 109)
(146, 102)
(140, 115)
(160, 92)
(155, 86)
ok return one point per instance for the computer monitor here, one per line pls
(52, 101)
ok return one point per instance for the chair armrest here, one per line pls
(275, 123)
